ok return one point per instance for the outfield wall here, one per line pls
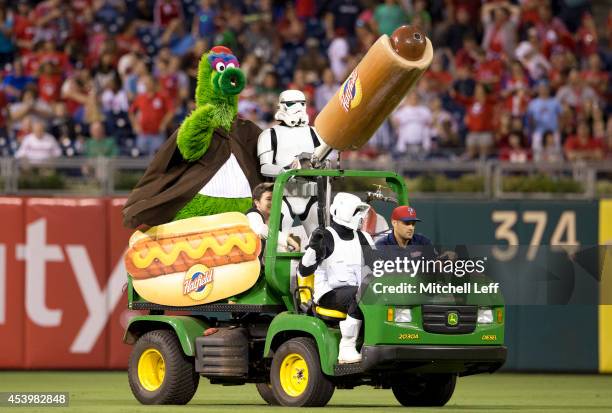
(56, 251)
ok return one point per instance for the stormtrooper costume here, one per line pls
(335, 255)
(278, 148)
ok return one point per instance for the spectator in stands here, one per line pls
(500, 21)
(150, 114)
(515, 152)
(39, 145)
(543, 113)
(389, 15)
(64, 129)
(338, 53)
(114, 99)
(595, 77)
(550, 150)
(30, 106)
(24, 27)
(536, 64)
(203, 25)
(412, 124)
(479, 122)
(99, 144)
(268, 93)
(312, 62)
(551, 30)
(459, 30)
(575, 93)
(16, 81)
(7, 47)
(49, 82)
(587, 37)
(78, 93)
(445, 133)
(344, 14)
(326, 90)
(582, 146)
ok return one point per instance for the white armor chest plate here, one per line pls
(291, 142)
(228, 182)
(343, 266)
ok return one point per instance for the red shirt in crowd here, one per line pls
(574, 144)
(479, 117)
(30, 63)
(151, 108)
(49, 87)
(169, 86)
(3, 109)
(24, 28)
(598, 80)
(490, 72)
(515, 155)
(167, 10)
(57, 58)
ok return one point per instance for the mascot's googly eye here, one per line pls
(230, 65)
(220, 67)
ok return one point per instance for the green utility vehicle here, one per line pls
(273, 335)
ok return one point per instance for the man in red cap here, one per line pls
(403, 220)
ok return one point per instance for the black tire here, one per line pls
(318, 388)
(180, 380)
(429, 390)
(265, 391)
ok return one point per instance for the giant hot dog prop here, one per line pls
(392, 66)
(194, 261)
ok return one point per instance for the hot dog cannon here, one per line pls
(392, 67)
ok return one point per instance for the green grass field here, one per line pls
(110, 392)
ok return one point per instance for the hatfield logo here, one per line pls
(351, 92)
(198, 282)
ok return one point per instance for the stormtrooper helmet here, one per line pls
(292, 108)
(348, 210)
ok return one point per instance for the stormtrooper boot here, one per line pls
(347, 352)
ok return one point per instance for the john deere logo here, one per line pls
(452, 319)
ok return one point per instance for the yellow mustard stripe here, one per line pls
(605, 291)
(248, 246)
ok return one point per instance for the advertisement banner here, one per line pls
(12, 310)
(66, 275)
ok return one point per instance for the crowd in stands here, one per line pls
(519, 81)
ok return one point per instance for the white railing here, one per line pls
(115, 176)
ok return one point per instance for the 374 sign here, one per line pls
(563, 233)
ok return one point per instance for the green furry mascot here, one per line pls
(210, 165)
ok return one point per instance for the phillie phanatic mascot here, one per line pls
(210, 165)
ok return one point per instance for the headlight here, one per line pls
(485, 316)
(404, 315)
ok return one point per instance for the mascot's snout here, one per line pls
(231, 81)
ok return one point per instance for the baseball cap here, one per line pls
(404, 213)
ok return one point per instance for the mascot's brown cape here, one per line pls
(170, 182)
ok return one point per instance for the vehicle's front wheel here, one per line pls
(159, 372)
(428, 390)
(296, 376)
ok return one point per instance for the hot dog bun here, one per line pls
(194, 261)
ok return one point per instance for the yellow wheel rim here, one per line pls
(294, 375)
(151, 369)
